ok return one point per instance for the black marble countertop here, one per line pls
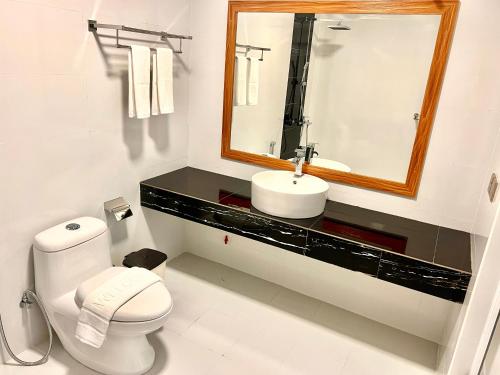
(393, 246)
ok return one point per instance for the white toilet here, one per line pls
(72, 259)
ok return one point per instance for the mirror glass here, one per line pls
(351, 85)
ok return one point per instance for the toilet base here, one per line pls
(119, 355)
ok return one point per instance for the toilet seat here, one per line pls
(152, 304)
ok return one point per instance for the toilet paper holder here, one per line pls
(119, 208)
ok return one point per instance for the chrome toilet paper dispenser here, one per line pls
(119, 208)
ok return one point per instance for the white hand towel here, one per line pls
(101, 304)
(240, 80)
(253, 81)
(141, 64)
(165, 77)
(131, 98)
(155, 105)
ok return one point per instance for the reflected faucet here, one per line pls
(298, 160)
(310, 153)
(271, 147)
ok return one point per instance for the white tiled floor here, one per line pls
(228, 322)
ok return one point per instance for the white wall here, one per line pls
(66, 143)
(364, 86)
(462, 138)
(256, 126)
(486, 209)
(466, 336)
(450, 336)
(480, 310)
(484, 82)
(492, 359)
(482, 231)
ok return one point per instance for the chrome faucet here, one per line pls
(272, 144)
(298, 160)
(310, 153)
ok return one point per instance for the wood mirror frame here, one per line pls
(446, 8)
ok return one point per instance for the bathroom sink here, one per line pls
(330, 164)
(280, 193)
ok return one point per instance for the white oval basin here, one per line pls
(280, 193)
(330, 164)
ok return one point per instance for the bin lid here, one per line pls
(145, 258)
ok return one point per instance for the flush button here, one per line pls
(73, 226)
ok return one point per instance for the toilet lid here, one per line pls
(152, 303)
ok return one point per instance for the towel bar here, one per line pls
(93, 25)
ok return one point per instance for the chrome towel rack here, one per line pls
(249, 47)
(93, 26)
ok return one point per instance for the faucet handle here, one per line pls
(306, 120)
(310, 153)
(300, 152)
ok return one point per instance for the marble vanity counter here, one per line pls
(416, 255)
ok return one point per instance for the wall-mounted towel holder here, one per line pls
(249, 48)
(93, 25)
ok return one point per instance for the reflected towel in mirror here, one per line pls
(155, 105)
(253, 81)
(240, 89)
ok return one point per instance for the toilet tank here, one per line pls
(69, 253)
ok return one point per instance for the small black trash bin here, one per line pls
(150, 259)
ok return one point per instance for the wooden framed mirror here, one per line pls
(359, 79)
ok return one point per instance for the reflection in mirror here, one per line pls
(349, 85)
(257, 128)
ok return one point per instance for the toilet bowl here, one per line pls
(71, 260)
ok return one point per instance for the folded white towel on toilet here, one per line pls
(240, 81)
(99, 306)
(165, 79)
(253, 81)
(139, 80)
